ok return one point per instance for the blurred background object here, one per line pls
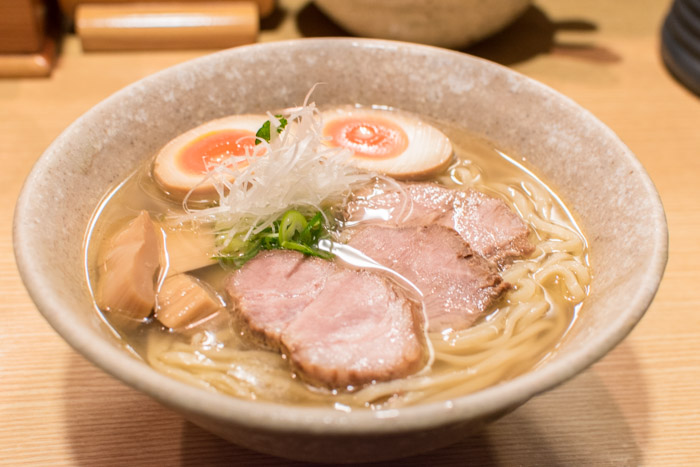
(265, 7)
(444, 23)
(680, 42)
(183, 25)
(22, 25)
(25, 48)
(30, 29)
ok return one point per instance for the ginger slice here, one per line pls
(126, 281)
(183, 302)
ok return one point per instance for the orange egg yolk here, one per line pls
(375, 138)
(214, 148)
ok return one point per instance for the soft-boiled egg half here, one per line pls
(182, 165)
(387, 141)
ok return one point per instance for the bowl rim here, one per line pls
(281, 418)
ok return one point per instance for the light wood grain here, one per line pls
(640, 405)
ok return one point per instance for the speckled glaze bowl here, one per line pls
(444, 23)
(595, 174)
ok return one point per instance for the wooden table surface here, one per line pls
(640, 405)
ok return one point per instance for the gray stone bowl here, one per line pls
(444, 23)
(591, 169)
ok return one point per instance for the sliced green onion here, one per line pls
(292, 231)
(292, 222)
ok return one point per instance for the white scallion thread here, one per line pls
(294, 170)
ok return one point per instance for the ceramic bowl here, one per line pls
(444, 23)
(591, 169)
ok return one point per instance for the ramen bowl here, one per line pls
(588, 166)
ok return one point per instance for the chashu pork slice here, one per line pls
(356, 331)
(457, 285)
(486, 223)
(270, 290)
(339, 327)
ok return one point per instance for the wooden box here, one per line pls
(22, 26)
